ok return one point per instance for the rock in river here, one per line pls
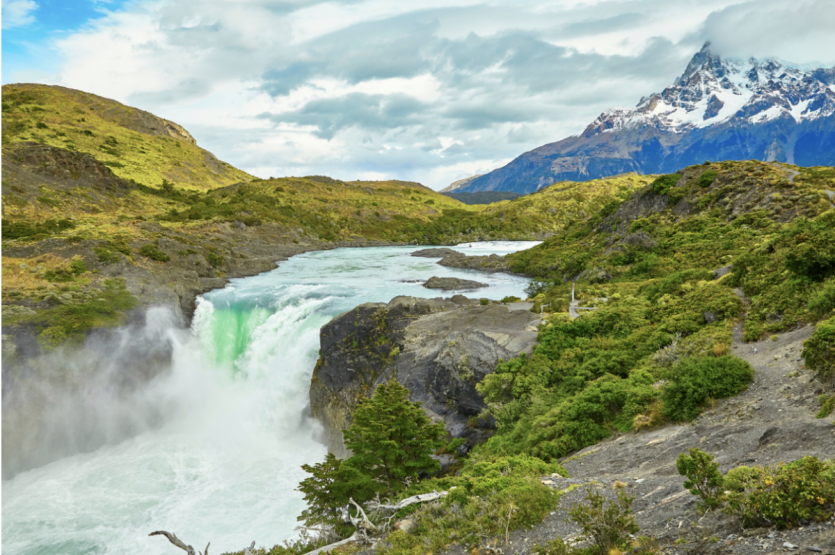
(449, 284)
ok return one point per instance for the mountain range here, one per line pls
(718, 109)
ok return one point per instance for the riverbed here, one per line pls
(224, 432)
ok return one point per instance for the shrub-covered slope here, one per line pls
(540, 215)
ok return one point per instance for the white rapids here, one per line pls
(221, 459)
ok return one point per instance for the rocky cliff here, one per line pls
(438, 348)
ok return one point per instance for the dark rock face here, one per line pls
(452, 284)
(490, 264)
(786, 115)
(434, 253)
(38, 164)
(439, 349)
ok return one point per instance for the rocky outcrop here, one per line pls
(452, 284)
(438, 348)
(33, 165)
(434, 253)
(490, 264)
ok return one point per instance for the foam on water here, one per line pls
(223, 464)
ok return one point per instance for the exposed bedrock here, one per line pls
(438, 348)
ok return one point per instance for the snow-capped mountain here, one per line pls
(719, 109)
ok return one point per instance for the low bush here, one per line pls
(819, 350)
(487, 499)
(664, 183)
(34, 230)
(697, 380)
(605, 525)
(215, 260)
(822, 303)
(152, 251)
(105, 255)
(803, 490)
(784, 496)
(707, 178)
(827, 403)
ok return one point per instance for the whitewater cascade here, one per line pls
(215, 444)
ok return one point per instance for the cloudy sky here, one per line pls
(428, 90)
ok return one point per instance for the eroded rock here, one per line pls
(438, 348)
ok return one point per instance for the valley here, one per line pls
(198, 338)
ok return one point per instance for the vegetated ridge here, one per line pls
(718, 109)
(133, 143)
(486, 197)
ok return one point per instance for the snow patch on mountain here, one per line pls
(714, 90)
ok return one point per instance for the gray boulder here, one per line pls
(450, 284)
(433, 253)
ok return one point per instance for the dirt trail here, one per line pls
(772, 421)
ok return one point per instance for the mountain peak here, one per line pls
(718, 109)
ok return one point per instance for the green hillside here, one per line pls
(549, 211)
(133, 143)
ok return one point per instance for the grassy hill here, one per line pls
(135, 144)
(549, 211)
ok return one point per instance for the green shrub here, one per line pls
(31, 230)
(152, 251)
(41, 125)
(510, 299)
(783, 497)
(105, 255)
(697, 380)
(823, 302)
(605, 524)
(703, 476)
(664, 183)
(484, 301)
(819, 350)
(59, 275)
(215, 260)
(78, 267)
(707, 178)
(487, 499)
(764, 496)
(827, 403)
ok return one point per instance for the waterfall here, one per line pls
(210, 444)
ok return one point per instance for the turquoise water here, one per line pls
(223, 463)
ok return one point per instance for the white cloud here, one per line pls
(431, 93)
(17, 13)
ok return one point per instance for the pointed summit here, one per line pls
(718, 109)
(703, 59)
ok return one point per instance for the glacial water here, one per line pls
(221, 436)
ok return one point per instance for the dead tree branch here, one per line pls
(423, 498)
(177, 542)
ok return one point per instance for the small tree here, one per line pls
(392, 438)
(703, 476)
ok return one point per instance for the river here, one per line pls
(221, 458)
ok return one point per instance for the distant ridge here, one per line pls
(484, 197)
(458, 184)
(718, 109)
